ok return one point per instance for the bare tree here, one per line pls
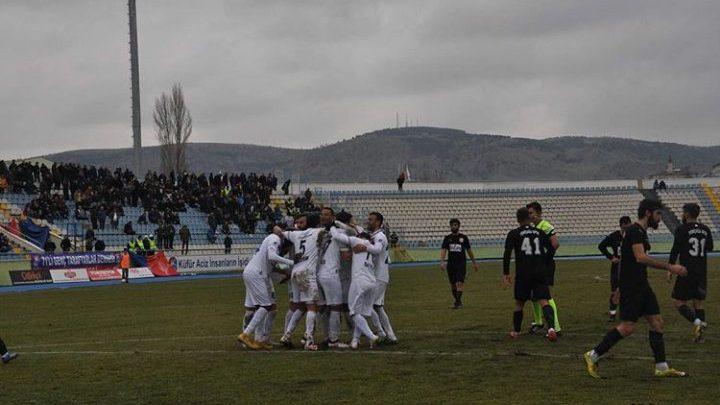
(173, 126)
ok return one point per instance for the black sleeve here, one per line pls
(675, 251)
(466, 243)
(635, 236)
(446, 243)
(508, 253)
(603, 246)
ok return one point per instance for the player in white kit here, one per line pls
(304, 277)
(362, 284)
(328, 276)
(381, 258)
(260, 302)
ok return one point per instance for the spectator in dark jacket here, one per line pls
(128, 229)
(99, 245)
(65, 244)
(228, 244)
(185, 239)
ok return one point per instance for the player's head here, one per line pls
(301, 222)
(327, 216)
(625, 221)
(649, 210)
(375, 220)
(535, 210)
(454, 225)
(523, 216)
(691, 212)
(344, 217)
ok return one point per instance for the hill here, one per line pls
(433, 154)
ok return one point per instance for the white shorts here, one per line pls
(291, 296)
(330, 290)
(259, 291)
(380, 288)
(304, 287)
(360, 297)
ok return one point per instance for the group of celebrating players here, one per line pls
(337, 269)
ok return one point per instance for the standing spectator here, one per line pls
(401, 181)
(142, 219)
(228, 244)
(114, 219)
(286, 187)
(65, 244)
(101, 216)
(160, 235)
(89, 239)
(128, 229)
(94, 217)
(185, 239)
(212, 223)
(170, 236)
(125, 265)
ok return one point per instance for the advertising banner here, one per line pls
(69, 275)
(20, 277)
(87, 260)
(139, 272)
(209, 263)
(102, 275)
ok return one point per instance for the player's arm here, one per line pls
(274, 257)
(674, 252)
(443, 253)
(604, 246)
(470, 253)
(339, 237)
(507, 279)
(642, 257)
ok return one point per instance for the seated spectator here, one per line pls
(65, 244)
(128, 229)
(142, 219)
(211, 236)
(4, 244)
(50, 246)
(99, 245)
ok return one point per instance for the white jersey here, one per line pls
(329, 262)
(260, 265)
(306, 244)
(363, 266)
(382, 258)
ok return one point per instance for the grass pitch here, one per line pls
(175, 343)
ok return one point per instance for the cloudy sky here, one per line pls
(306, 73)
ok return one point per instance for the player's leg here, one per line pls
(360, 302)
(6, 355)
(684, 310)
(517, 318)
(334, 300)
(453, 282)
(379, 308)
(657, 344)
(459, 287)
(263, 332)
(249, 313)
(699, 324)
(612, 303)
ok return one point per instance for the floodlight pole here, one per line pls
(135, 85)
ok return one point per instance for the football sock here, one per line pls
(454, 292)
(556, 324)
(686, 312)
(385, 321)
(362, 326)
(613, 306)
(248, 317)
(288, 316)
(325, 322)
(517, 320)
(293, 321)
(262, 333)
(334, 330)
(459, 296)
(549, 315)
(3, 349)
(310, 324)
(375, 318)
(657, 344)
(256, 320)
(609, 340)
(700, 314)
(537, 313)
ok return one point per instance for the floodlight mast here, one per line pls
(135, 85)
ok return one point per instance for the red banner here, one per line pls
(102, 275)
(160, 266)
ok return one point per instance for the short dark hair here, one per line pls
(378, 215)
(535, 206)
(624, 220)
(344, 217)
(648, 204)
(692, 209)
(332, 211)
(313, 219)
(523, 215)
(455, 221)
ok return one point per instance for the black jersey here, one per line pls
(633, 274)
(692, 243)
(457, 245)
(533, 251)
(610, 246)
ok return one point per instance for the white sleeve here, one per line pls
(273, 256)
(339, 237)
(376, 247)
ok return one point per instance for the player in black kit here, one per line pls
(455, 246)
(533, 254)
(610, 247)
(637, 298)
(693, 241)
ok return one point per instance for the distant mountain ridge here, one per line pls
(433, 154)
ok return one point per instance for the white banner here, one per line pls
(69, 275)
(139, 272)
(209, 263)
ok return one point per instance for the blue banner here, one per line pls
(35, 233)
(91, 260)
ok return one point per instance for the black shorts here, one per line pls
(637, 302)
(456, 274)
(690, 288)
(551, 274)
(531, 288)
(614, 274)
